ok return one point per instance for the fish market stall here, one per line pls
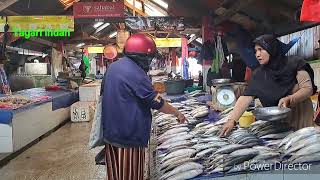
(194, 150)
(18, 124)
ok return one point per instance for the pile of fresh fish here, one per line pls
(199, 112)
(272, 132)
(270, 129)
(244, 137)
(302, 145)
(185, 151)
(196, 93)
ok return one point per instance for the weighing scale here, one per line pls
(223, 94)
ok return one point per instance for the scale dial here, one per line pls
(226, 97)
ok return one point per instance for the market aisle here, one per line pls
(63, 155)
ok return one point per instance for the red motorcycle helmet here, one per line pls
(140, 44)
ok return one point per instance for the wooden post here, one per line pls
(206, 63)
(134, 8)
(184, 56)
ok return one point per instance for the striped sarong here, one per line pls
(124, 163)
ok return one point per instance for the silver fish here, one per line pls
(308, 158)
(171, 161)
(201, 114)
(245, 152)
(300, 131)
(186, 174)
(202, 124)
(314, 148)
(303, 143)
(182, 152)
(300, 137)
(165, 138)
(182, 168)
(176, 163)
(229, 148)
(231, 161)
(276, 136)
(177, 138)
(205, 152)
(175, 144)
(174, 131)
(267, 155)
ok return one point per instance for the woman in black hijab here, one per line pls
(279, 81)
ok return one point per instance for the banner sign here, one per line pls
(97, 50)
(98, 9)
(167, 42)
(33, 23)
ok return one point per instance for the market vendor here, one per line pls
(128, 98)
(279, 81)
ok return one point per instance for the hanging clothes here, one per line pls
(207, 51)
(219, 55)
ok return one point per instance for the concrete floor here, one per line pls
(63, 155)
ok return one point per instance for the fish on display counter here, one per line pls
(186, 151)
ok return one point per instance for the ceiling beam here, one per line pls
(134, 9)
(237, 6)
(193, 38)
(6, 4)
(157, 6)
(42, 41)
(10, 13)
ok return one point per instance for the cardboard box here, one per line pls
(82, 111)
(89, 93)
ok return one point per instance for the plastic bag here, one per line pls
(96, 134)
(100, 157)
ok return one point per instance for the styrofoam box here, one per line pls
(6, 144)
(88, 93)
(82, 111)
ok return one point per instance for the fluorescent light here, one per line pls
(162, 3)
(102, 27)
(81, 44)
(113, 34)
(199, 40)
(151, 11)
(96, 25)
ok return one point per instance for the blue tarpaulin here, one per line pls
(5, 117)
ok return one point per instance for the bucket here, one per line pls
(175, 86)
(246, 119)
(188, 83)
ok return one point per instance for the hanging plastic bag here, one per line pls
(310, 11)
(96, 134)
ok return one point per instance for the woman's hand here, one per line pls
(182, 119)
(227, 128)
(285, 102)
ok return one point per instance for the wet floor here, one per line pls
(63, 155)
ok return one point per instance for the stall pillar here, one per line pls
(56, 64)
(206, 63)
(173, 59)
(93, 64)
(184, 57)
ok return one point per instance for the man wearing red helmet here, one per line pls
(128, 97)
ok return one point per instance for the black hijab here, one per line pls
(275, 80)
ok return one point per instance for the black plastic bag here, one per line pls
(100, 157)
